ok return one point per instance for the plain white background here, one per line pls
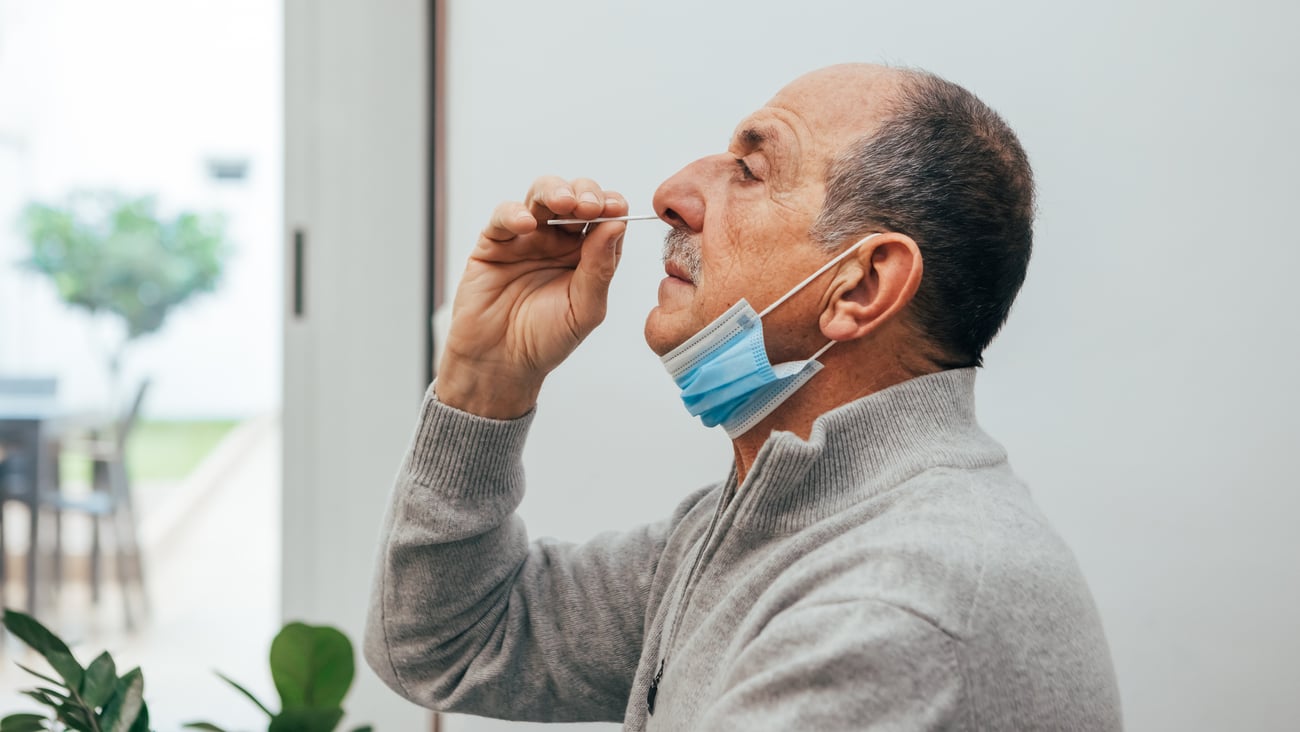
(1144, 386)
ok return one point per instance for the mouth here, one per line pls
(672, 269)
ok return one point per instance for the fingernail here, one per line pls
(565, 192)
(524, 216)
(588, 197)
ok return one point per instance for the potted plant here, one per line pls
(312, 667)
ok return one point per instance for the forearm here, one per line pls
(468, 616)
(446, 547)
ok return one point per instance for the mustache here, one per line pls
(681, 248)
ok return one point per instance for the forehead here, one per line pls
(819, 113)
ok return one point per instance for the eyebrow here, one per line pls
(752, 138)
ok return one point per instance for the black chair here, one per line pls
(109, 501)
(9, 478)
(18, 475)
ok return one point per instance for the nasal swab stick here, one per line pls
(643, 217)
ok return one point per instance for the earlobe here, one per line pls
(872, 288)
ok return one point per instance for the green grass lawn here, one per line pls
(159, 450)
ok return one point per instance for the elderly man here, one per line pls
(871, 562)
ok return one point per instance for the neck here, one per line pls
(846, 377)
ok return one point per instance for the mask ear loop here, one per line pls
(822, 270)
(822, 350)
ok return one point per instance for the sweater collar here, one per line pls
(862, 448)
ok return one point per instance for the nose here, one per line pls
(680, 199)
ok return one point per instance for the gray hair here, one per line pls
(946, 170)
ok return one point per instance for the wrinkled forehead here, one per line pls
(820, 113)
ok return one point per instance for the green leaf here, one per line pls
(23, 723)
(54, 694)
(305, 719)
(30, 631)
(38, 674)
(312, 666)
(76, 717)
(67, 667)
(128, 698)
(47, 644)
(97, 686)
(41, 696)
(202, 725)
(141, 721)
(245, 692)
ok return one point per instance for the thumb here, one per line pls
(589, 289)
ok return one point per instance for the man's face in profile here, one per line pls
(745, 215)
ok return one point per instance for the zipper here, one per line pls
(685, 601)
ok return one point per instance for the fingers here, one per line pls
(589, 288)
(553, 197)
(550, 195)
(581, 198)
(509, 220)
(615, 204)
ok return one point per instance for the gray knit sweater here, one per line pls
(889, 573)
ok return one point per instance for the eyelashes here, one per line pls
(745, 172)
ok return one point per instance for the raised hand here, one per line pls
(530, 294)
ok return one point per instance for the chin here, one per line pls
(661, 332)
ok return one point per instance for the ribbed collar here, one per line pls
(862, 448)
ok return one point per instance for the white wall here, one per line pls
(1145, 385)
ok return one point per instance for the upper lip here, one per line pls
(675, 270)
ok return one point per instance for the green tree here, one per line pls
(108, 253)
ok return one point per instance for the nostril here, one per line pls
(674, 218)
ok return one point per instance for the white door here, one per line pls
(356, 132)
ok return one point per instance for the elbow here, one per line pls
(377, 650)
(410, 670)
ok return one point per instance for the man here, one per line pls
(871, 562)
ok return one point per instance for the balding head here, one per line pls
(848, 100)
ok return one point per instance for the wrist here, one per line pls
(483, 392)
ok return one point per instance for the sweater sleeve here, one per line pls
(852, 665)
(467, 616)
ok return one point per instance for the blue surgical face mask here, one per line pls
(723, 370)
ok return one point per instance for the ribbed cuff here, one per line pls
(463, 455)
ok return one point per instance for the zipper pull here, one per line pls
(654, 688)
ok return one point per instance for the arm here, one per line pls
(853, 665)
(467, 616)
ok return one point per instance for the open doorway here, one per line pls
(150, 131)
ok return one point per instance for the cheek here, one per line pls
(728, 256)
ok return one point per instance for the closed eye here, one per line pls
(744, 170)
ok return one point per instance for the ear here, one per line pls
(872, 287)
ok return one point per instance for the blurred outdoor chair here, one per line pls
(11, 479)
(109, 500)
(23, 402)
(33, 434)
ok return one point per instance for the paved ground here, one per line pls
(214, 586)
